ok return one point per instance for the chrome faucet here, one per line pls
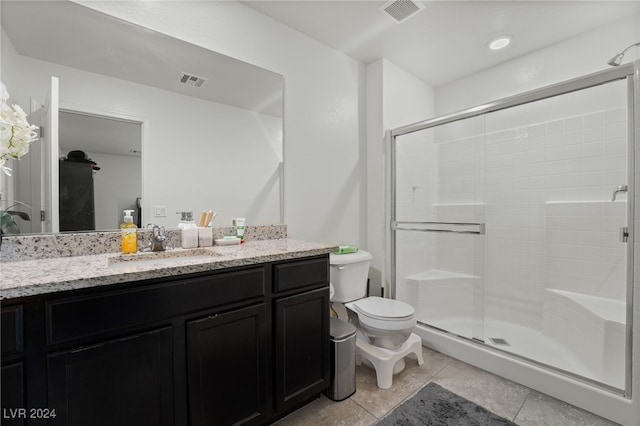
(158, 239)
(617, 189)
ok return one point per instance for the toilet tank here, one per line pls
(349, 273)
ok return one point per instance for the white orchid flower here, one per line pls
(16, 134)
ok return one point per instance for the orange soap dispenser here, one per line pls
(129, 234)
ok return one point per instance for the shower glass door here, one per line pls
(512, 227)
(439, 225)
(556, 270)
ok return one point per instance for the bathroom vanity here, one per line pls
(241, 337)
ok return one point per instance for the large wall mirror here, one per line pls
(161, 125)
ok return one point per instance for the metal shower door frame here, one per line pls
(629, 72)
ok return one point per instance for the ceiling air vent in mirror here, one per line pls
(192, 80)
(401, 10)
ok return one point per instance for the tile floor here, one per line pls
(369, 404)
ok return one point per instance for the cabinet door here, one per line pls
(227, 368)
(13, 394)
(302, 347)
(122, 382)
(12, 338)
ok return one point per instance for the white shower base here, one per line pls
(577, 333)
(596, 400)
(535, 345)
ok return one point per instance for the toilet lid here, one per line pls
(380, 308)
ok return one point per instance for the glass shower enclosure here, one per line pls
(510, 225)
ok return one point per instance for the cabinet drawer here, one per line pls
(73, 318)
(299, 274)
(12, 330)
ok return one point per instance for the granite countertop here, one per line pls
(33, 277)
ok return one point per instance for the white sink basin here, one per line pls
(177, 257)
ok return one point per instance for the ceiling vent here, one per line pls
(401, 10)
(192, 80)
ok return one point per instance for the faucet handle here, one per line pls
(618, 189)
(158, 232)
(157, 242)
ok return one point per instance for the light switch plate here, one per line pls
(160, 211)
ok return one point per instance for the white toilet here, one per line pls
(385, 326)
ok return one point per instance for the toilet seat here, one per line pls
(379, 308)
(383, 316)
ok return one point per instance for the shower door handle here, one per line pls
(452, 227)
(624, 234)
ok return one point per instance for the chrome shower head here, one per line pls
(617, 60)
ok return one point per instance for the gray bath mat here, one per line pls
(435, 406)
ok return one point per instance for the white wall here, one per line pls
(394, 98)
(117, 185)
(324, 168)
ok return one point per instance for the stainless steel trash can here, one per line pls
(343, 360)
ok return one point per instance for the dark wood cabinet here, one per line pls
(13, 389)
(127, 381)
(227, 368)
(12, 330)
(243, 345)
(301, 347)
(13, 394)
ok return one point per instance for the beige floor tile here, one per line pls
(433, 363)
(324, 411)
(501, 396)
(543, 410)
(381, 401)
(498, 395)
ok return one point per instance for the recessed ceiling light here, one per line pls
(499, 42)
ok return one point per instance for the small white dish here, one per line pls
(227, 241)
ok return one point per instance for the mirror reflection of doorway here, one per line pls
(100, 170)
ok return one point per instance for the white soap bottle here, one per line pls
(189, 232)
